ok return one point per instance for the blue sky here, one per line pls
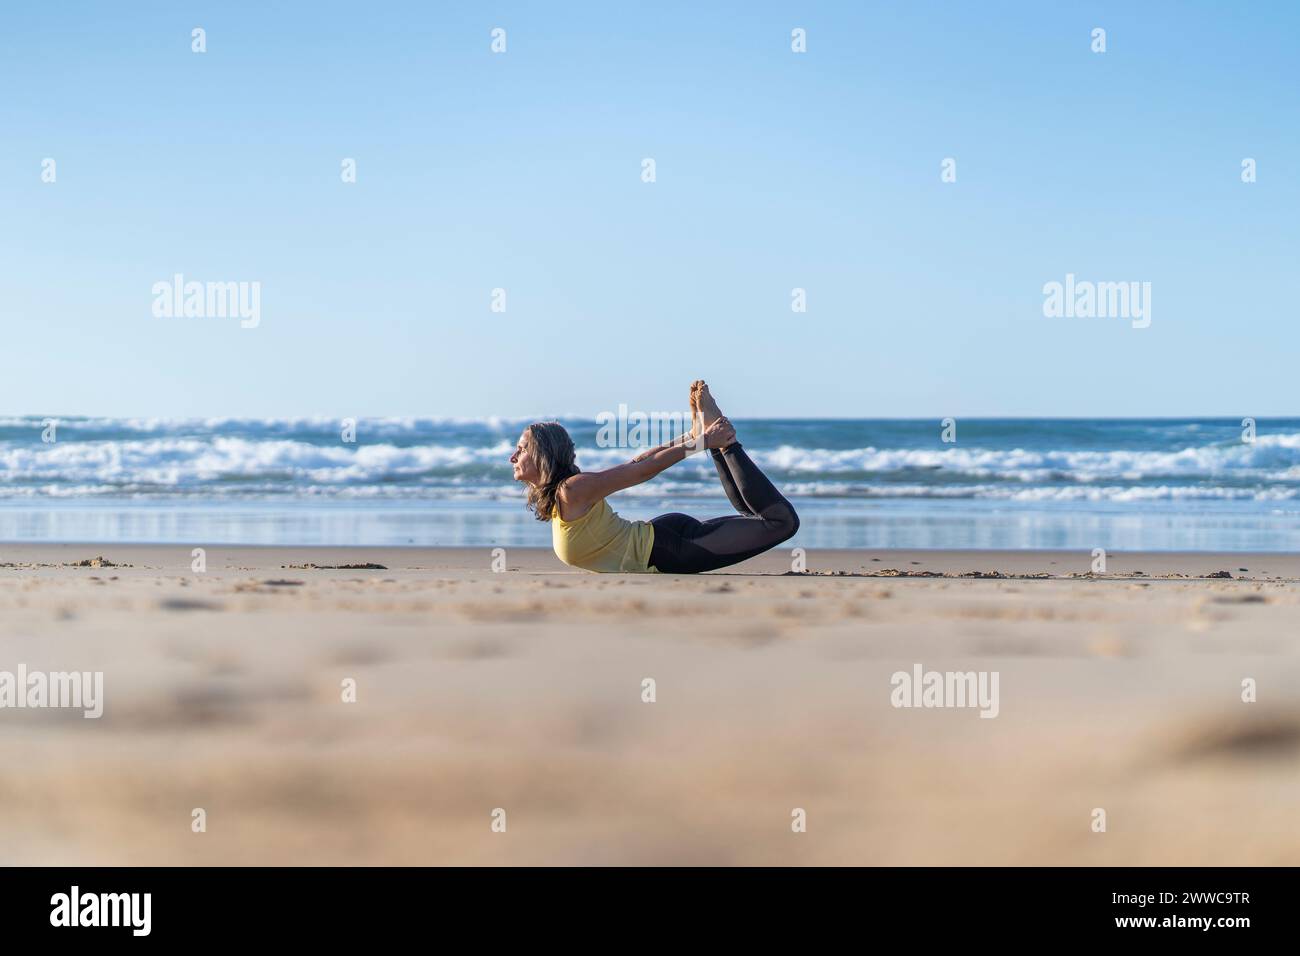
(775, 170)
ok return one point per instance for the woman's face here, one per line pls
(522, 459)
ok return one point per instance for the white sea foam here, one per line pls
(1271, 456)
(397, 458)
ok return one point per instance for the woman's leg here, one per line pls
(729, 483)
(683, 545)
(698, 421)
(746, 487)
(754, 488)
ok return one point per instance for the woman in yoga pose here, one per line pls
(588, 534)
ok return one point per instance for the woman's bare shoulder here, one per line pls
(576, 495)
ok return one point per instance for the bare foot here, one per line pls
(697, 426)
(704, 407)
(707, 406)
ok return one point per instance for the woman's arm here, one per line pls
(684, 439)
(583, 490)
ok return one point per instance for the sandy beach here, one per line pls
(522, 691)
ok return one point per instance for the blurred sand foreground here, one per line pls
(522, 691)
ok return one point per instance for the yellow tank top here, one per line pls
(602, 541)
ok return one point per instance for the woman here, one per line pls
(588, 534)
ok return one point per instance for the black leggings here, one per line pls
(684, 545)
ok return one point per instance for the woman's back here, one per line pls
(602, 541)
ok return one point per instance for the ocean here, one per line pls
(1132, 484)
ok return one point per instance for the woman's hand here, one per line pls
(720, 434)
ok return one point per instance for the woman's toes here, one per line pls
(708, 407)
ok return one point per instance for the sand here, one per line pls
(522, 691)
